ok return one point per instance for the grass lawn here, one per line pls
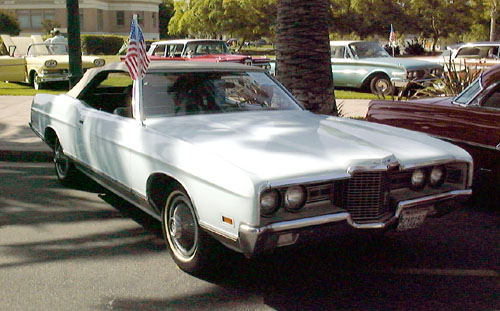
(15, 88)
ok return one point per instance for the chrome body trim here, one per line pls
(432, 199)
(117, 188)
(42, 137)
(308, 180)
(12, 65)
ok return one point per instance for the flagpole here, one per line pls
(392, 39)
(137, 95)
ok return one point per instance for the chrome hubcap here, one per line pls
(60, 161)
(182, 227)
(382, 86)
(175, 228)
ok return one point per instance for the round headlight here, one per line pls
(437, 176)
(269, 202)
(418, 179)
(51, 63)
(99, 62)
(295, 198)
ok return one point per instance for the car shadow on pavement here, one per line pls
(353, 273)
(32, 201)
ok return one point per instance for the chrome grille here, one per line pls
(319, 192)
(367, 196)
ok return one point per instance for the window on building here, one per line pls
(23, 16)
(36, 19)
(100, 20)
(140, 18)
(49, 15)
(82, 24)
(120, 18)
(32, 19)
(153, 19)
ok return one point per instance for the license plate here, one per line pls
(411, 219)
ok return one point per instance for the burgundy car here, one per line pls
(470, 120)
(203, 50)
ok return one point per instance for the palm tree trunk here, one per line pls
(303, 53)
(494, 15)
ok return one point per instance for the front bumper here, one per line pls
(52, 77)
(253, 240)
(403, 83)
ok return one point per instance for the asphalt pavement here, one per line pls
(19, 143)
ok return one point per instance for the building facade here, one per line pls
(96, 16)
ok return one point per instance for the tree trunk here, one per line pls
(303, 53)
(494, 15)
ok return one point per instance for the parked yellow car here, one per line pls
(38, 63)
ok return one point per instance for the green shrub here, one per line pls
(9, 24)
(389, 49)
(455, 79)
(3, 49)
(102, 44)
(414, 47)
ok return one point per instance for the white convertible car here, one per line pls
(223, 153)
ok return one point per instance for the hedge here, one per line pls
(102, 44)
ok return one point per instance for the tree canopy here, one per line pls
(166, 11)
(456, 20)
(248, 19)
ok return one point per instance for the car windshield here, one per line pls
(486, 51)
(368, 50)
(41, 49)
(174, 94)
(468, 94)
(206, 47)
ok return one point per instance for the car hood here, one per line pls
(283, 145)
(401, 62)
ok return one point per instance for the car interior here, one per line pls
(110, 92)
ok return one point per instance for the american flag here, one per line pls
(137, 60)
(392, 35)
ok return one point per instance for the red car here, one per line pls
(202, 50)
(470, 120)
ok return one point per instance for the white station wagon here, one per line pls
(222, 153)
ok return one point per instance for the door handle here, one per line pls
(498, 147)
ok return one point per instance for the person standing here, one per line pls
(58, 43)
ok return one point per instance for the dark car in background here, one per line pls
(470, 120)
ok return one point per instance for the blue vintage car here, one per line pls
(367, 65)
